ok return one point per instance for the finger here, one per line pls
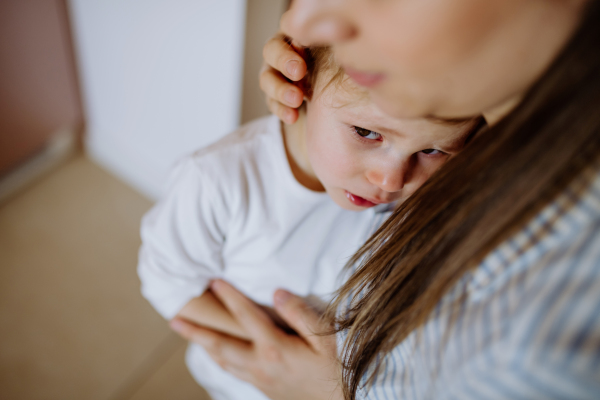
(205, 337)
(232, 354)
(303, 319)
(276, 87)
(282, 56)
(286, 114)
(256, 323)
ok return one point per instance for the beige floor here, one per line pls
(72, 322)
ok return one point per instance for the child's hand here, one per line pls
(280, 365)
(283, 64)
(207, 311)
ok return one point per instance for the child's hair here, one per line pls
(320, 62)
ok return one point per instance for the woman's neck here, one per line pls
(294, 140)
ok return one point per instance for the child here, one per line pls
(272, 206)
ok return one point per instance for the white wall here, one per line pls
(160, 78)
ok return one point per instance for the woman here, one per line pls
(486, 283)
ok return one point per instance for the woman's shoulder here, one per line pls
(533, 302)
(562, 231)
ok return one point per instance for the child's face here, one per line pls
(363, 157)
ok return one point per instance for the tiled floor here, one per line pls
(72, 322)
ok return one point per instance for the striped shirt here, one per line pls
(528, 322)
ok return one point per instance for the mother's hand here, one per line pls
(283, 65)
(280, 365)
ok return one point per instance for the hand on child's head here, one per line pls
(283, 65)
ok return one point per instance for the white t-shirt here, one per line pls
(234, 211)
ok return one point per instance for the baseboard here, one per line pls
(60, 148)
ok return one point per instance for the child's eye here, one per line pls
(367, 134)
(432, 152)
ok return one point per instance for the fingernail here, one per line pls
(176, 325)
(281, 297)
(292, 67)
(291, 97)
(288, 116)
(215, 285)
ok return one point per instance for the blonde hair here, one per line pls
(321, 64)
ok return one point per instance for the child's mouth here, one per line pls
(359, 201)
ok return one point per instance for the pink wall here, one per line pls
(38, 85)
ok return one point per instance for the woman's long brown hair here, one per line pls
(478, 199)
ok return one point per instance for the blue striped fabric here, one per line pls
(527, 325)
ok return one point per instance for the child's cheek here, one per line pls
(341, 163)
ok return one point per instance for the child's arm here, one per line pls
(209, 312)
(182, 239)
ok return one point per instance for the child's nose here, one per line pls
(389, 178)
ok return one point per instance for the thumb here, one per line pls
(299, 315)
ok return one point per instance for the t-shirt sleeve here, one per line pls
(182, 239)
